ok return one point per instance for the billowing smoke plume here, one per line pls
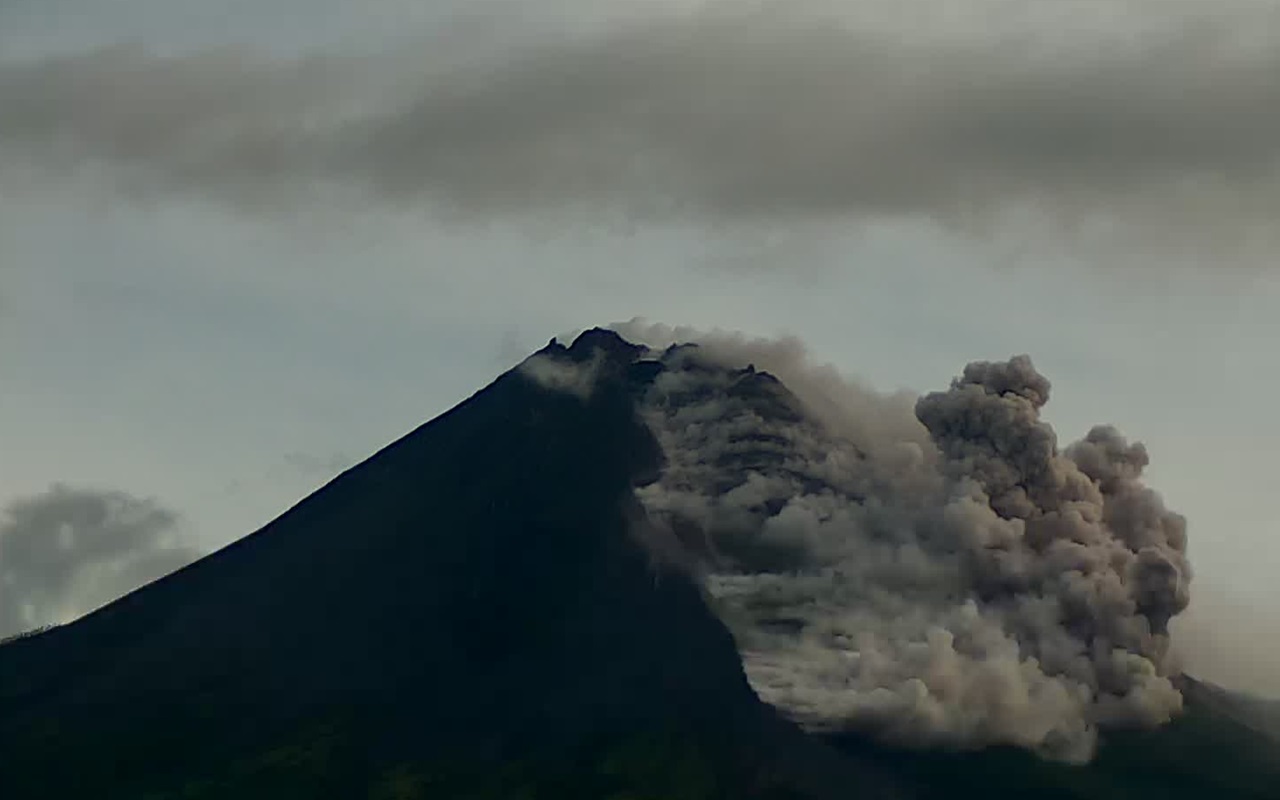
(942, 574)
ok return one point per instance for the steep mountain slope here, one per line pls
(467, 596)
(483, 609)
(1205, 752)
(1260, 714)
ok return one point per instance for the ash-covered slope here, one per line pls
(465, 612)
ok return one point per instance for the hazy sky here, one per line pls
(244, 244)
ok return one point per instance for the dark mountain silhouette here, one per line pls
(467, 614)
(1260, 714)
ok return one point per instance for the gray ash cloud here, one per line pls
(938, 572)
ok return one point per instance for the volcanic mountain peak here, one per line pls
(900, 589)
(476, 611)
(468, 593)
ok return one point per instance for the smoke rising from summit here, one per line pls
(943, 574)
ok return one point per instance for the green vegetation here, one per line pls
(1200, 755)
(323, 762)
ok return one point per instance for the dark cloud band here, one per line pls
(720, 113)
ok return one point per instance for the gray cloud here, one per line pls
(68, 551)
(726, 112)
(937, 571)
(221, 120)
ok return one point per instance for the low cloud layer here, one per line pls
(67, 551)
(937, 572)
(733, 111)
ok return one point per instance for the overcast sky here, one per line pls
(245, 244)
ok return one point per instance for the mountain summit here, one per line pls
(582, 581)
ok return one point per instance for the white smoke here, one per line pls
(578, 380)
(938, 573)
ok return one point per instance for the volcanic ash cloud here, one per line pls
(949, 577)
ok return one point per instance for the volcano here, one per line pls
(495, 607)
